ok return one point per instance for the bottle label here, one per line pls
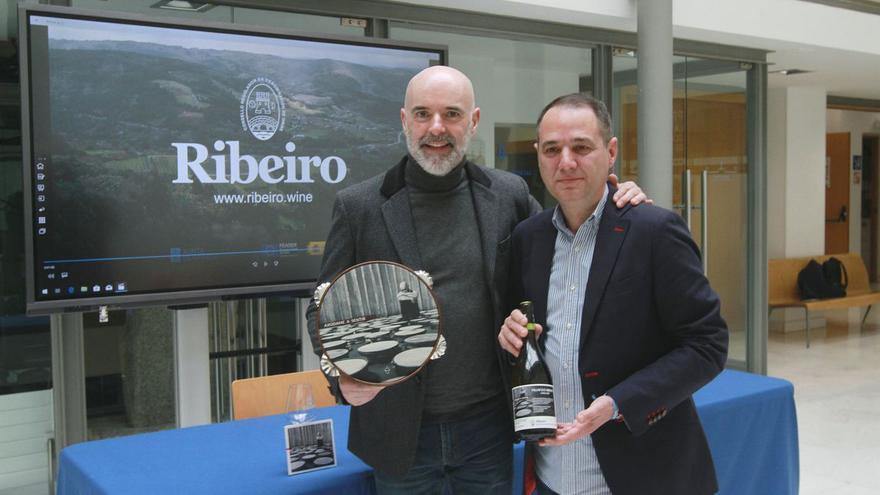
(533, 407)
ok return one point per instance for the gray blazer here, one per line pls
(372, 221)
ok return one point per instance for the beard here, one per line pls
(438, 165)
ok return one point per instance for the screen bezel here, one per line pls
(177, 297)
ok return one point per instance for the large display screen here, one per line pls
(169, 163)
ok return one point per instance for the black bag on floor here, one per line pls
(835, 275)
(811, 282)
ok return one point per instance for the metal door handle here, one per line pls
(50, 450)
(704, 230)
(687, 198)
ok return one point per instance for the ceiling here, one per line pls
(845, 73)
(841, 73)
(850, 70)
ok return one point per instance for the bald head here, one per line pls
(439, 118)
(450, 81)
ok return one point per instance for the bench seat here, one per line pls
(850, 301)
(783, 290)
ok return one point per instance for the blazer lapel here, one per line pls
(487, 211)
(399, 222)
(540, 263)
(612, 231)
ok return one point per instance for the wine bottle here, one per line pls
(534, 416)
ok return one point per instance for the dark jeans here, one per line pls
(470, 456)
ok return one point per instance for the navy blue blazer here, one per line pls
(651, 335)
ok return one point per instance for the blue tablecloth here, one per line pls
(240, 457)
(749, 419)
(751, 424)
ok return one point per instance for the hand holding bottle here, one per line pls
(585, 423)
(514, 330)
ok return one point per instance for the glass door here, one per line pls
(709, 169)
(709, 163)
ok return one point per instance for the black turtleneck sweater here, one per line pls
(466, 380)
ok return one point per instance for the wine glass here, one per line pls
(300, 402)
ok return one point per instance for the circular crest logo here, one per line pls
(262, 108)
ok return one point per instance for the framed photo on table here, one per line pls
(310, 446)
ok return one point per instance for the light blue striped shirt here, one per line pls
(571, 468)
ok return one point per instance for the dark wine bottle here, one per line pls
(534, 416)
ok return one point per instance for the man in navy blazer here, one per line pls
(633, 328)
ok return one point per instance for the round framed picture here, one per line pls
(378, 322)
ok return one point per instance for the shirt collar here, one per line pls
(594, 219)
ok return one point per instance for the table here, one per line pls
(750, 422)
(237, 457)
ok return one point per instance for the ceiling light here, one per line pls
(623, 52)
(789, 72)
(183, 5)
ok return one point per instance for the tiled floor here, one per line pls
(837, 395)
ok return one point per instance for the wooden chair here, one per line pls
(267, 395)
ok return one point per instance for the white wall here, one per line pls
(26, 423)
(805, 171)
(608, 14)
(776, 172)
(790, 21)
(796, 172)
